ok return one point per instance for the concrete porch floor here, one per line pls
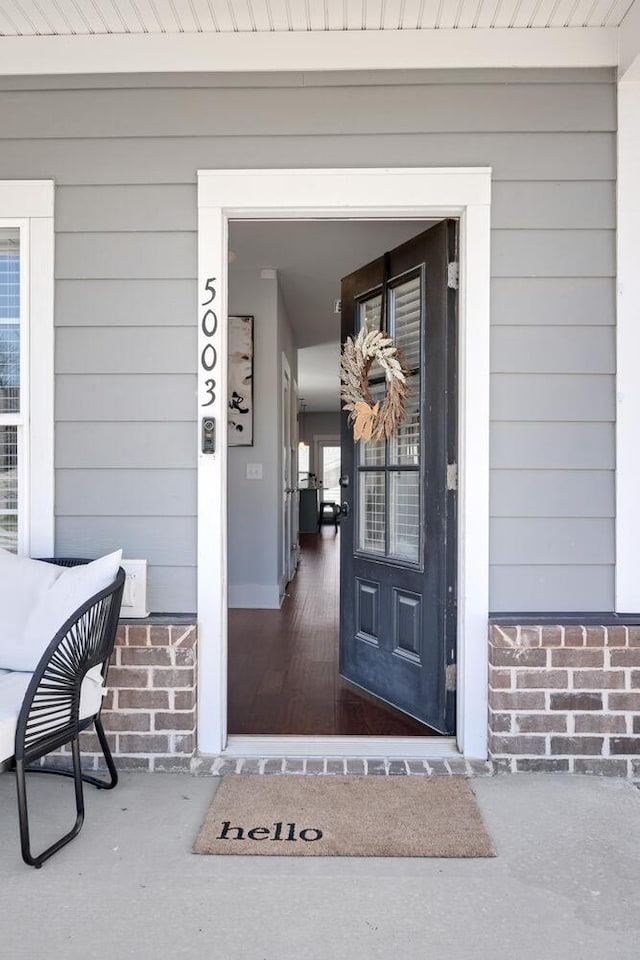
(566, 881)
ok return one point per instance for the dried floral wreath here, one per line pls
(373, 421)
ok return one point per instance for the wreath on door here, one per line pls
(379, 420)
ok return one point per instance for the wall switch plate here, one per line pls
(254, 471)
(134, 598)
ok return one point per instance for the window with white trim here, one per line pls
(13, 413)
(26, 367)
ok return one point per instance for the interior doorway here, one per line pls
(288, 673)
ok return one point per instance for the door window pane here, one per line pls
(371, 512)
(404, 515)
(8, 487)
(404, 308)
(389, 499)
(370, 311)
(372, 452)
(9, 320)
(370, 315)
(404, 446)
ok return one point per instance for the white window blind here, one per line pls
(11, 412)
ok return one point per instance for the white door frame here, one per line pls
(392, 193)
(286, 389)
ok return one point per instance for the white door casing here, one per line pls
(392, 193)
(287, 481)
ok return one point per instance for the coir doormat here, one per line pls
(344, 817)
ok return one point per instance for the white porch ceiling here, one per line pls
(86, 17)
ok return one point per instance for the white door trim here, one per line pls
(627, 594)
(396, 193)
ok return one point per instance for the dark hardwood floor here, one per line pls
(283, 664)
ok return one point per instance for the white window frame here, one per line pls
(28, 205)
(321, 440)
(392, 193)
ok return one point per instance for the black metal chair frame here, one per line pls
(49, 716)
(336, 511)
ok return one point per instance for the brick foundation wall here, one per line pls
(149, 712)
(565, 698)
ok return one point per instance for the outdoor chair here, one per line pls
(61, 698)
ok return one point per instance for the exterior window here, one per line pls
(26, 367)
(331, 459)
(13, 341)
(303, 465)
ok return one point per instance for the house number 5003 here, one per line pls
(209, 355)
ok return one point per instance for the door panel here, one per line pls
(398, 539)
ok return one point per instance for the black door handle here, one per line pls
(345, 510)
(344, 480)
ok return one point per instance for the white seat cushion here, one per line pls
(13, 686)
(12, 690)
(69, 589)
(22, 584)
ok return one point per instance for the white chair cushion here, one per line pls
(13, 687)
(22, 584)
(69, 590)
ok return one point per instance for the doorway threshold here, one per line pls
(418, 748)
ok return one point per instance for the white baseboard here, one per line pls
(254, 596)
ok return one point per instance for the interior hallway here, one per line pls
(283, 664)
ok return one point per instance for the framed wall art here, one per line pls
(240, 419)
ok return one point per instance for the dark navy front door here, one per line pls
(398, 538)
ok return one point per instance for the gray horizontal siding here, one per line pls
(124, 493)
(169, 350)
(118, 208)
(553, 493)
(575, 541)
(172, 589)
(149, 256)
(308, 111)
(539, 397)
(552, 587)
(165, 541)
(548, 205)
(123, 303)
(127, 445)
(94, 397)
(553, 301)
(552, 446)
(513, 156)
(570, 349)
(553, 253)
(525, 205)
(124, 153)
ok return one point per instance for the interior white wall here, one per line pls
(253, 514)
(255, 506)
(286, 346)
